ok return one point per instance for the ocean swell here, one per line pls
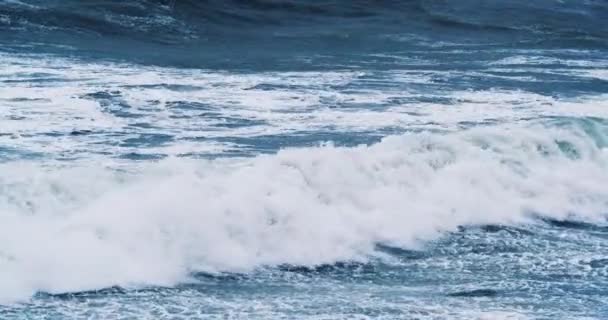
(193, 32)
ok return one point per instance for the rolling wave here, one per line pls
(62, 232)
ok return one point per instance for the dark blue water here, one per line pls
(297, 159)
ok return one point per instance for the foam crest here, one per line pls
(90, 227)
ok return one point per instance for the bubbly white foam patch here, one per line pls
(67, 229)
(595, 68)
(43, 101)
(361, 303)
(572, 73)
(539, 60)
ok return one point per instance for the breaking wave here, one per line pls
(83, 228)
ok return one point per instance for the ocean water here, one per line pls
(294, 159)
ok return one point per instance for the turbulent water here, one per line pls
(294, 159)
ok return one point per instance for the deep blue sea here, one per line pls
(304, 159)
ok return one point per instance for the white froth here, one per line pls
(89, 227)
(43, 101)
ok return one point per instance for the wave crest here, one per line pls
(81, 229)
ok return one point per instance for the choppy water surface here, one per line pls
(303, 159)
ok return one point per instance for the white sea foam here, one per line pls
(68, 229)
(101, 223)
(43, 102)
(547, 60)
